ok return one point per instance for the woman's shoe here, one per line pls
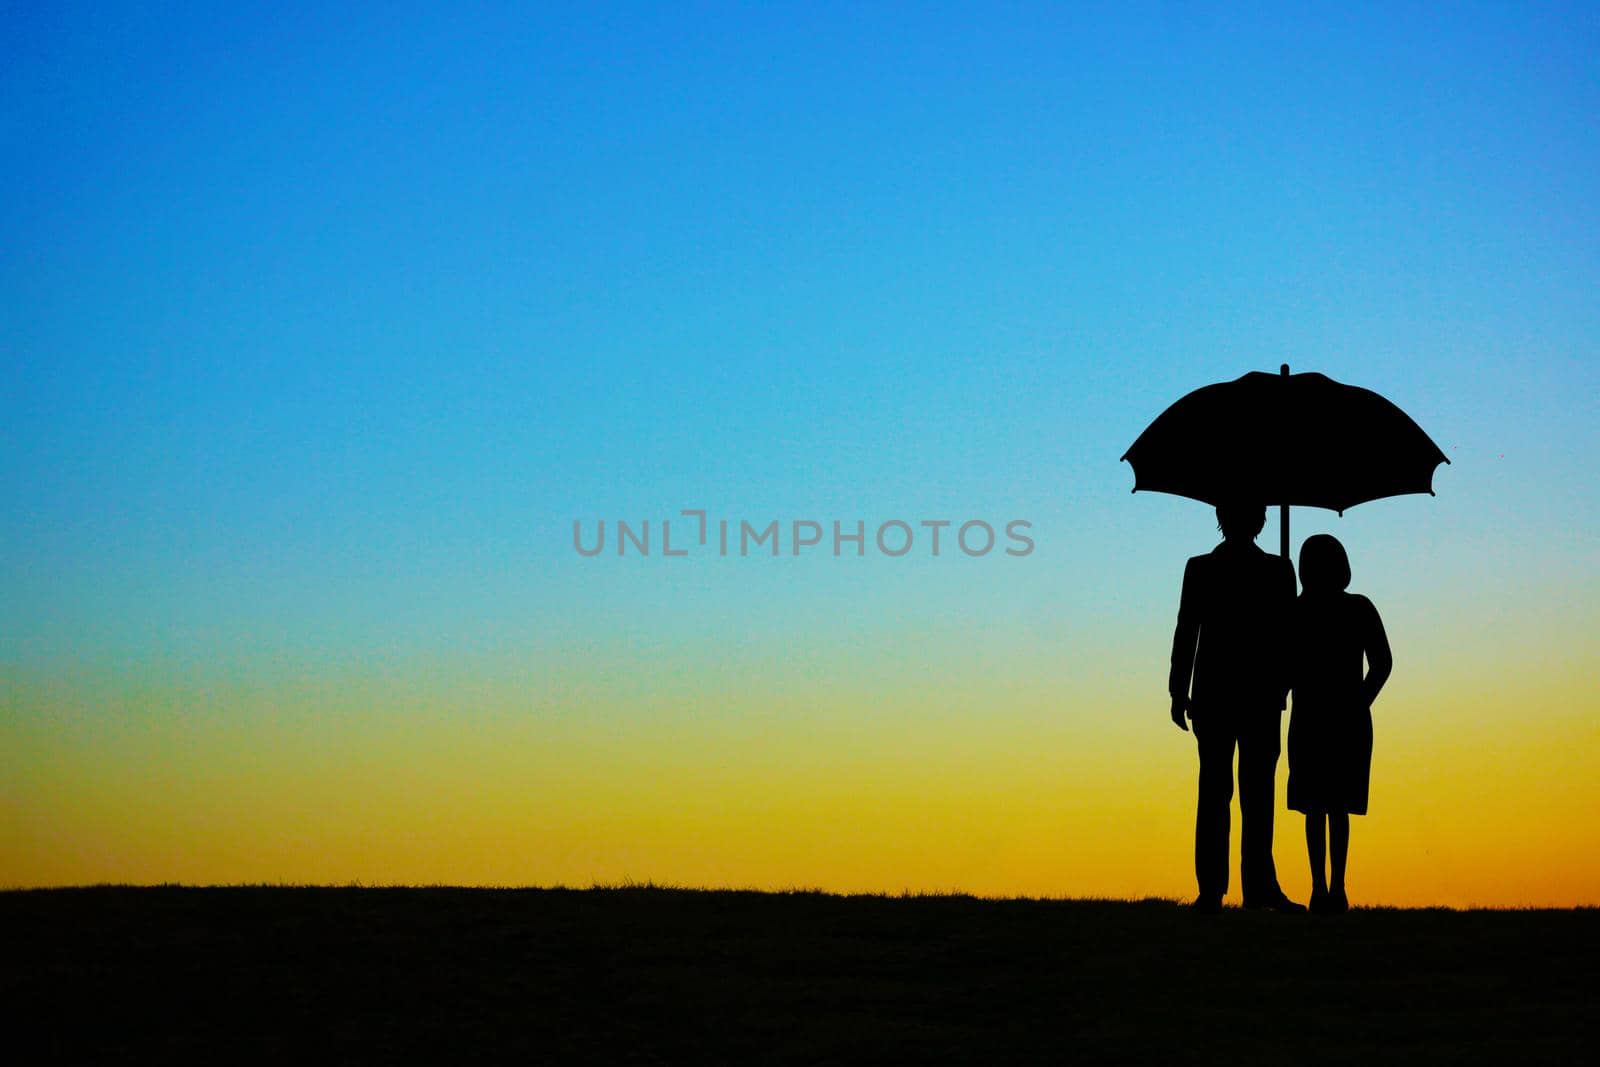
(1319, 901)
(1338, 903)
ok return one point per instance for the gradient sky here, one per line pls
(319, 330)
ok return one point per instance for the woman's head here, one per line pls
(1324, 567)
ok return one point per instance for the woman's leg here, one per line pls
(1315, 851)
(1339, 850)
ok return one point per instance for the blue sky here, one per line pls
(309, 316)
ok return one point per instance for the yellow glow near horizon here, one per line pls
(1035, 792)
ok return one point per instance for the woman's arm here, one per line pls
(1375, 643)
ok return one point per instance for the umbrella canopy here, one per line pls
(1284, 439)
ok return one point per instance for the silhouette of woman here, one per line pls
(1330, 727)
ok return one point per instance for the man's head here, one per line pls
(1239, 521)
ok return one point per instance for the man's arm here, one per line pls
(1184, 638)
(1288, 590)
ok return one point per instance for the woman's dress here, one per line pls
(1330, 727)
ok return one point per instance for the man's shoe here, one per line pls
(1275, 902)
(1319, 902)
(1206, 905)
(1338, 903)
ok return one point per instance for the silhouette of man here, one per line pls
(1230, 643)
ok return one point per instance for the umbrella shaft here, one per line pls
(1283, 509)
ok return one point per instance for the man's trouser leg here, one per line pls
(1259, 744)
(1215, 740)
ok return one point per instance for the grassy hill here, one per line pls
(647, 975)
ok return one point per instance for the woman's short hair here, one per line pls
(1324, 567)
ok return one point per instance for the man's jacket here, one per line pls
(1232, 634)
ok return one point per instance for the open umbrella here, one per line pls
(1284, 439)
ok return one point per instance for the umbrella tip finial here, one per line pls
(1283, 369)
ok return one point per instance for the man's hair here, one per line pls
(1236, 519)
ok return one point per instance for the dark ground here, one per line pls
(680, 976)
